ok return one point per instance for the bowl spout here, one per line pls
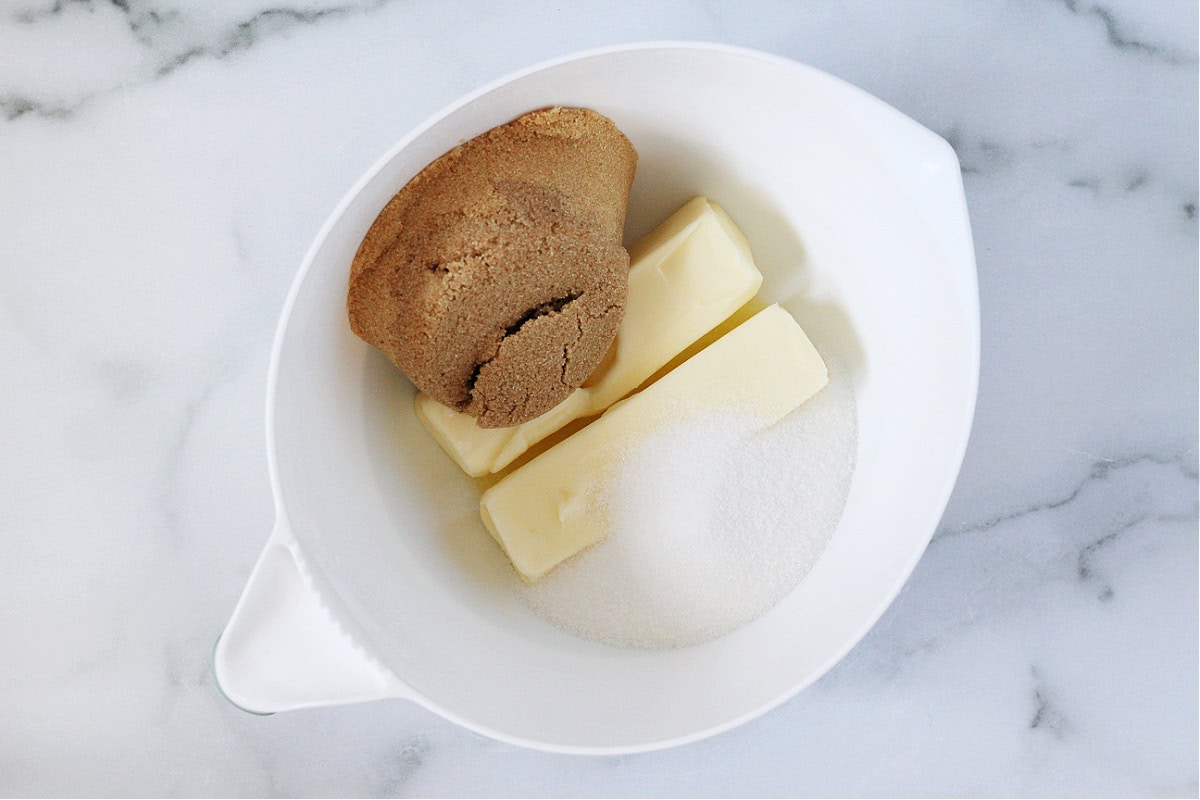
(283, 649)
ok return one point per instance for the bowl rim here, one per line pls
(969, 274)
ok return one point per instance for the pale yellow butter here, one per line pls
(686, 277)
(545, 511)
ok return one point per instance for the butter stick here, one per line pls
(685, 278)
(546, 511)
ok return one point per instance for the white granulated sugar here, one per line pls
(714, 521)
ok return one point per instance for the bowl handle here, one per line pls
(284, 650)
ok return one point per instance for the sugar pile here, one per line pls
(714, 521)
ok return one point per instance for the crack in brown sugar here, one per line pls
(549, 307)
(471, 380)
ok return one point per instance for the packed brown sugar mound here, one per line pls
(495, 279)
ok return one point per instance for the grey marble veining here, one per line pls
(1122, 39)
(163, 167)
(171, 40)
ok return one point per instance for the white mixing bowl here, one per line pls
(379, 580)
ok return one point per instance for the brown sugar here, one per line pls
(495, 279)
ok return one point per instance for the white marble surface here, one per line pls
(163, 167)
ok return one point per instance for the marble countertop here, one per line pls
(164, 166)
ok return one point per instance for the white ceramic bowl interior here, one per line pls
(857, 219)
